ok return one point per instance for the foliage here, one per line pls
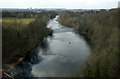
(21, 35)
(102, 30)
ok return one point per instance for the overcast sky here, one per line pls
(69, 4)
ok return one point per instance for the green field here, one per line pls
(0, 20)
(22, 22)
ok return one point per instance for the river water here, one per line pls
(59, 55)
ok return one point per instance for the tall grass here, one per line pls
(102, 30)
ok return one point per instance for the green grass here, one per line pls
(0, 20)
(23, 22)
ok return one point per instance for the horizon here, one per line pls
(62, 8)
(64, 4)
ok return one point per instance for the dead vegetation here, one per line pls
(102, 30)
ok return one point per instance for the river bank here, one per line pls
(21, 35)
(102, 29)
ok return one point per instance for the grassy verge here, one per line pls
(102, 30)
(21, 35)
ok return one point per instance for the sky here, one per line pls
(68, 4)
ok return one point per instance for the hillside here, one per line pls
(101, 28)
(21, 33)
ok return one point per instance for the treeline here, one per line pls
(25, 14)
(102, 30)
(18, 40)
(19, 14)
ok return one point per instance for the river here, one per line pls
(59, 55)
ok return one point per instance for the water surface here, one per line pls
(65, 51)
(59, 55)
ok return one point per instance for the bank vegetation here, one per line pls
(22, 32)
(101, 28)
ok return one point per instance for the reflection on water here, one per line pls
(64, 53)
(59, 55)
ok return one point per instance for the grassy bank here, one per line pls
(21, 34)
(101, 28)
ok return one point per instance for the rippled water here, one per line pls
(59, 55)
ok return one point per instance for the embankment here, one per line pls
(101, 27)
(22, 32)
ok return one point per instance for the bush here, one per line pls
(21, 35)
(102, 30)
